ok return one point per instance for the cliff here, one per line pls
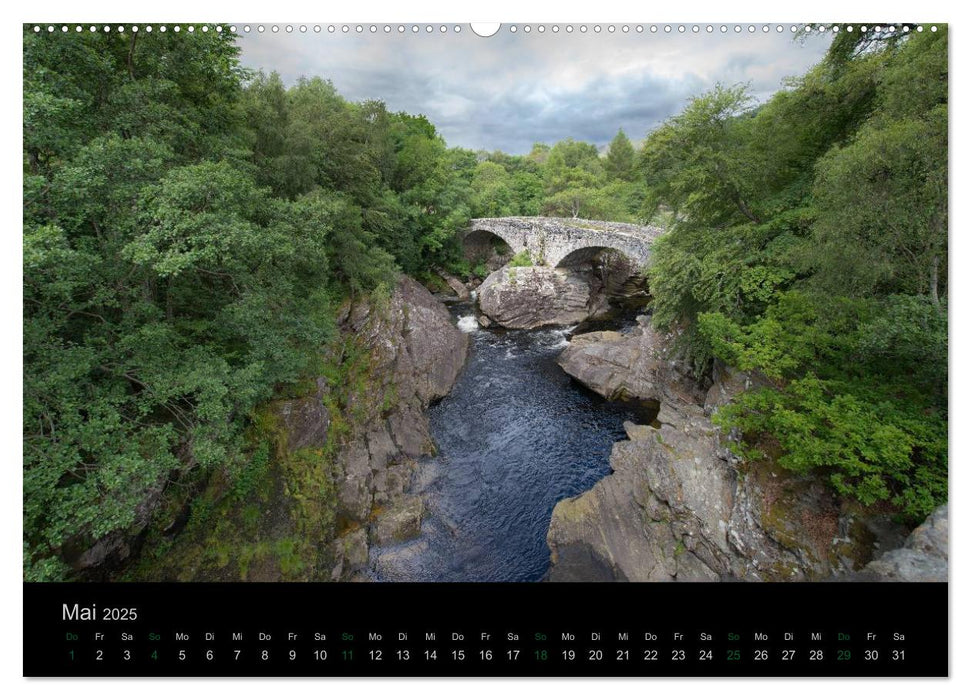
(329, 466)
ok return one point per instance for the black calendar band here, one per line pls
(469, 629)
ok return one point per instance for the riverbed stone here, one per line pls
(400, 521)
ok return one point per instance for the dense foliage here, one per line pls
(570, 179)
(810, 245)
(188, 233)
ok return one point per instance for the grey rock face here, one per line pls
(305, 420)
(678, 505)
(401, 522)
(417, 354)
(652, 519)
(663, 512)
(633, 365)
(350, 554)
(923, 557)
(414, 341)
(355, 496)
(530, 297)
(729, 383)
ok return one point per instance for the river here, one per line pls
(515, 436)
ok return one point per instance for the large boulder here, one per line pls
(530, 297)
(637, 364)
(923, 556)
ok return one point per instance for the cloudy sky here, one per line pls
(510, 90)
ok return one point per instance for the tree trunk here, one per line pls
(933, 282)
(131, 56)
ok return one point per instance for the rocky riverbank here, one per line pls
(414, 354)
(679, 505)
(337, 458)
(417, 353)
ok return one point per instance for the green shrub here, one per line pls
(868, 445)
(521, 259)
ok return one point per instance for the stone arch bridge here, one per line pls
(563, 242)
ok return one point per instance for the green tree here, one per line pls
(809, 244)
(621, 158)
(539, 153)
(492, 188)
(527, 190)
(882, 201)
(571, 175)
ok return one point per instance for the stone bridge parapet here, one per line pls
(566, 242)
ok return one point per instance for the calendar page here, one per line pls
(514, 349)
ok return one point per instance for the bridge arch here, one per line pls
(479, 243)
(585, 254)
(558, 242)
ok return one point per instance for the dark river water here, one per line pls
(515, 436)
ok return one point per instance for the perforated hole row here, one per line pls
(513, 28)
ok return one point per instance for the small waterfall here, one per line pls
(558, 338)
(468, 324)
(555, 338)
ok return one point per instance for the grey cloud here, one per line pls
(511, 90)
